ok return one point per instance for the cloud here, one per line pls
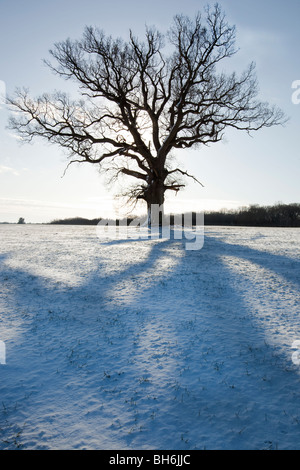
(8, 169)
(15, 136)
(34, 204)
(40, 211)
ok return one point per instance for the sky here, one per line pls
(260, 169)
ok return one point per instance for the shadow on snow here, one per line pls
(163, 354)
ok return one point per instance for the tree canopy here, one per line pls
(141, 100)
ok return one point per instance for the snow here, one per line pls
(142, 344)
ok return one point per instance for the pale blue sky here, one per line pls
(242, 170)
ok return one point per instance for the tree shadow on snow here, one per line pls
(168, 339)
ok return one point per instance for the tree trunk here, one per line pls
(155, 198)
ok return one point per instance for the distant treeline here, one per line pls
(75, 221)
(279, 215)
(83, 221)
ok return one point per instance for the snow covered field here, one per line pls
(140, 344)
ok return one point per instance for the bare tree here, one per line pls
(139, 103)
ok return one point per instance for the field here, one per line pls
(142, 344)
